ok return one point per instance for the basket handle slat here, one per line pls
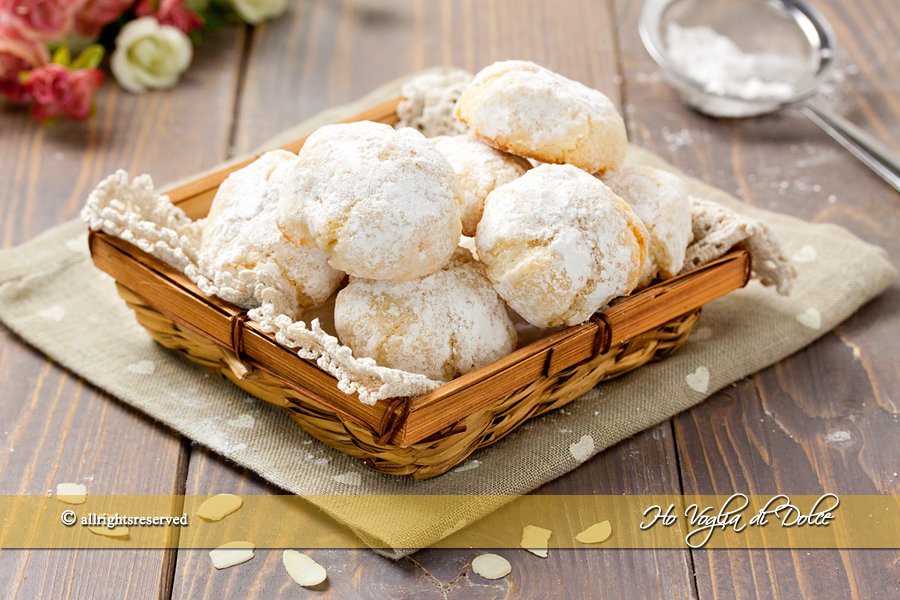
(651, 308)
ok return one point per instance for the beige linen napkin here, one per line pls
(54, 298)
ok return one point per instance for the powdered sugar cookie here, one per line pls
(661, 201)
(531, 111)
(447, 324)
(241, 233)
(558, 245)
(383, 204)
(480, 169)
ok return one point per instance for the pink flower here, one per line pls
(58, 91)
(97, 14)
(171, 12)
(18, 54)
(39, 19)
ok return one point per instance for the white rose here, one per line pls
(257, 11)
(150, 55)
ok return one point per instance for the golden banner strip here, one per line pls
(735, 522)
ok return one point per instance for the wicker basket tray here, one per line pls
(424, 436)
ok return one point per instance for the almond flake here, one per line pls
(232, 553)
(491, 566)
(535, 540)
(219, 506)
(302, 569)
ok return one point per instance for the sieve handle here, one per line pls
(874, 154)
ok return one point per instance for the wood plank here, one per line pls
(327, 53)
(55, 428)
(826, 418)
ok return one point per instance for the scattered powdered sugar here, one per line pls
(715, 61)
(676, 139)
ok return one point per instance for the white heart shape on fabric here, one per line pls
(698, 380)
(812, 318)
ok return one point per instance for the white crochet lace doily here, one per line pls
(132, 210)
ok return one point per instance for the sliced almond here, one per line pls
(219, 506)
(120, 531)
(535, 540)
(596, 533)
(232, 553)
(302, 569)
(491, 566)
(71, 493)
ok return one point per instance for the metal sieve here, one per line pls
(789, 28)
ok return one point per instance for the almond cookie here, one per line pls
(383, 204)
(558, 245)
(520, 107)
(241, 233)
(480, 169)
(661, 201)
(447, 324)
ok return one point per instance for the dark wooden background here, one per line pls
(769, 433)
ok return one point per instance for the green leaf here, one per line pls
(61, 56)
(90, 58)
(219, 13)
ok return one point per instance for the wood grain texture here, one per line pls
(823, 420)
(54, 427)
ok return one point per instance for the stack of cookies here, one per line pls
(535, 187)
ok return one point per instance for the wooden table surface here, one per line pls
(823, 420)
